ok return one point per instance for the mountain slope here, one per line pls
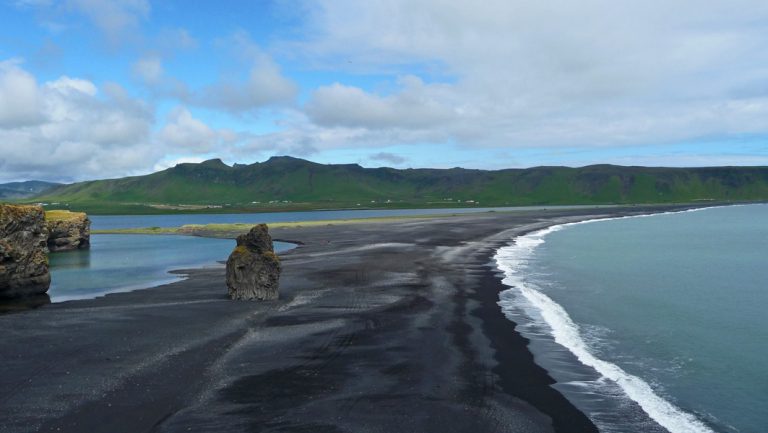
(287, 179)
(15, 190)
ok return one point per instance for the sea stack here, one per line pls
(23, 251)
(253, 269)
(68, 230)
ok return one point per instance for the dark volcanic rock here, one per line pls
(253, 269)
(23, 259)
(68, 230)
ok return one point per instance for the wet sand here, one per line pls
(381, 327)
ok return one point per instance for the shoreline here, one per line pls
(665, 413)
(570, 365)
(397, 317)
(519, 373)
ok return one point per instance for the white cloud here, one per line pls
(387, 157)
(169, 162)
(185, 132)
(149, 69)
(115, 18)
(72, 87)
(264, 85)
(118, 20)
(415, 106)
(20, 99)
(300, 136)
(518, 73)
(79, 131)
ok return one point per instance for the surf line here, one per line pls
(512, 259)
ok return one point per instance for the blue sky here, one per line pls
(105, 88)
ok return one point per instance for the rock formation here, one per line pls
(68, 230)
(253, 269)
(23, 259)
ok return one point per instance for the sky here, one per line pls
(95, 89)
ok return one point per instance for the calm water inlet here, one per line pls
(119, 263)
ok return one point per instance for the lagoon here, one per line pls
(120, 263)
(111, 222)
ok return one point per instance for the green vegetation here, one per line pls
(287, 184)
(232, 230)
(63, 215)
(20, 190)
(240, 249)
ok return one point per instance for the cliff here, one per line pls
(23, 259)
(68, 230)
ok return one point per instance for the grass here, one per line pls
(114, 208)
(228, 230)
(290, 184)
(63, 215)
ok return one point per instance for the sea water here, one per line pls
(650, 321)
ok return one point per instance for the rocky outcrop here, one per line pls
(23, 258)
(253, 269)
(68, 230)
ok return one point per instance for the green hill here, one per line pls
(291, 183)
(30, 188)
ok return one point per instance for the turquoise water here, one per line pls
(669, 310)
(119, 263)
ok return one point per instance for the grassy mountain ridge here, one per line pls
(30, 188)
(287, 179)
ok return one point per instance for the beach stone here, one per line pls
(23, 251)
(253, 268)
(68, 230)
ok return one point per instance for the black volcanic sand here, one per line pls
(380, 327)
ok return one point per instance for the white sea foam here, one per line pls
(512, 260)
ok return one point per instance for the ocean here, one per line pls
(652, 323)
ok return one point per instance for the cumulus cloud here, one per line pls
(263, 86)
(172, 162)
(71, 129)
(20, 99)
(299, 135)
(118, 20)
(415, 106)
(115, 18)
(186, 133)
(79, 131)
(519, 73)
(149, 69)
(387, 157)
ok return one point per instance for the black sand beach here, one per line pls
(381, 327)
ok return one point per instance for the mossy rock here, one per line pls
(23, 259)
(253, 268)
